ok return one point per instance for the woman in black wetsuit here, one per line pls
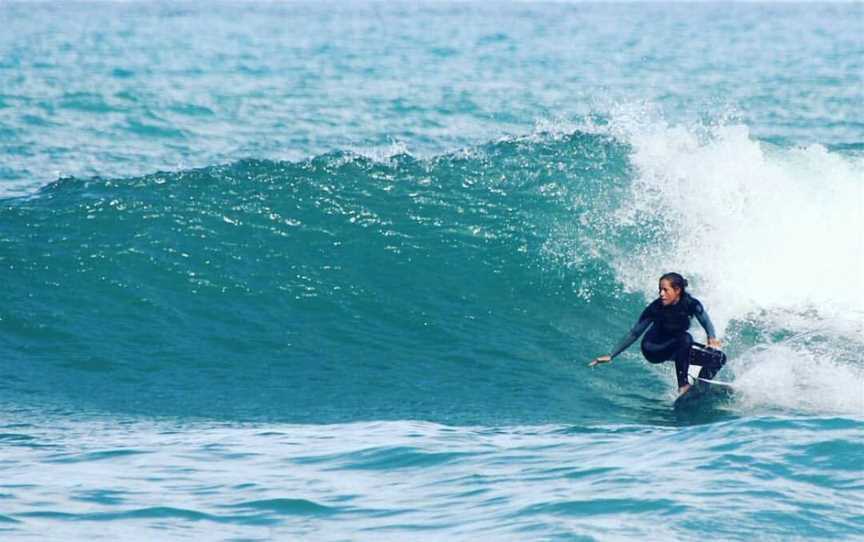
(669, 319)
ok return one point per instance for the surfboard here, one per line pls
(693, 376)
(722, 384)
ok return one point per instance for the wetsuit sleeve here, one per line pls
(635, 333)
(702, 315)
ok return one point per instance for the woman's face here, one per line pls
(669, 295)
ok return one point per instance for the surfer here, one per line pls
(668, 317)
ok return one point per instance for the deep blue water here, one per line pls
(335, 270)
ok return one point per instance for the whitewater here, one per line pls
(334, 271)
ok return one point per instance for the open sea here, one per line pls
(334, 270)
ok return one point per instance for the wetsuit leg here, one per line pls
(657, 348)
(682, 358)
(708, 371)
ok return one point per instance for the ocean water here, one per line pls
(334, 271)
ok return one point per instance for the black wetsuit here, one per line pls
(668, 338)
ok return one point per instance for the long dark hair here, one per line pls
(677, 281)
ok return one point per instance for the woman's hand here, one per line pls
(714, 343)
(601, 359)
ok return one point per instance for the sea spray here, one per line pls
(771, 239)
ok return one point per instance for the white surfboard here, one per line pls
(693, 373)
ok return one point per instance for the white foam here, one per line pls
(770, 236)
(383, 154)
(782, 376)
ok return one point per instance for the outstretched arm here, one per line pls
(625, 341)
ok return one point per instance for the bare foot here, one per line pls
(683, 389)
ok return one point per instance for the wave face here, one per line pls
(329, 289)
(465, 288)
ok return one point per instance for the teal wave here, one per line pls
(329, 289)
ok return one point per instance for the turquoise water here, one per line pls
(334, 271)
